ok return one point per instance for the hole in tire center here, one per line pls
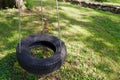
(41, 51)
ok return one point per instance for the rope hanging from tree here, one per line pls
(19, 24)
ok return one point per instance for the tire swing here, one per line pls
(40, 65)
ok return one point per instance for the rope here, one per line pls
(41, 14)
(19, 25)
(59, 29)
(57, 13)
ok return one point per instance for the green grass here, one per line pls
(29, 4)
(114, 1)
(108, 1)
(92, 39)
(41, 52)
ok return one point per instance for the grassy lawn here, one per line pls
(114, 1)
(108, 1)
(92, 39)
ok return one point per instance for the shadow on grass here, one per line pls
(6, 66)
(10, 69)
(104, 28)
(104, 68)
(105, 34)
(104, 39)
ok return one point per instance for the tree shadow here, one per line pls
(104, 39)
(9, 67)
(6, 66)
(105, 34)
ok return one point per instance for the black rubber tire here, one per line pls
(41, 65)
